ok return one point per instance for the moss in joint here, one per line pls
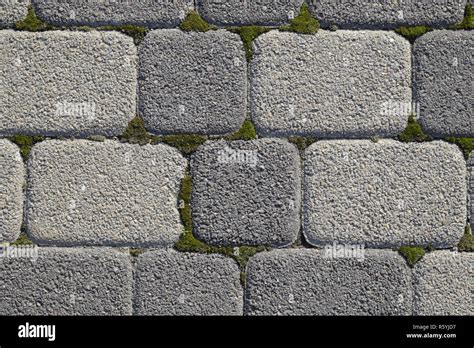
(412, 254)
(467, 22)
(185, 143)
(302, 143)
(185, 202)
(465, 144)
(246, 132)
(32, 23)
(136, 133)
(194, 22)
(413, 132)
(304, 23)
(25, 142)
(248, 34)
(135, 32)
(135, 252)
(467, 241)
(412, 33)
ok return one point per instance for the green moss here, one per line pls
(135, 252)
(185, 202)
(412, 33)
(97, 138)
(304, 23)
(302, 143)
(187, 144)
(412, 254)
(246, 132)
(413, 132)
(467, 22)
(32, 23)
(194, 22)
(248, 34)
(467, 241)
(136, 133)
(245, 253)
(25, 142)
(465, 144)
(23, 239)
(136, 32)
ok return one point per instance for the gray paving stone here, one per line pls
(384, 194)
(246, 192)
(443, 82)
(380, 14)
(12, 179)
(193, 82)
(249, 12)
(149, 13)
(91, 193)
(12, 11)
(66, 281)
(470, 166)
(64, 83)
(308, 282)
(344, 84)
(444, 284)
(172, 283)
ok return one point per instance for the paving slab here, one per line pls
(344, 84)
(12, 180)
(104, 193)
(12, 11)
(66, 281)
(385, 194)
(65, 83)
(309, 282)
(172, 283)
(193, 82)
(246, 192)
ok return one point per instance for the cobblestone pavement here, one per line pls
(208, 157)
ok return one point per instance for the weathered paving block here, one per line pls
(444, 284)
(64, 83)
(12, 179)
(246, 192)
(172, 283)
(380, 14)
(91, 193)
(384, 194)
(193, 82)
(470, 166)
(66, 281)
(340, 84)
(149, 13)
(12, 11)
(443, 82)
(310, 282)
(252, 12)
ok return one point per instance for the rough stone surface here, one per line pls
(104, 193)
(12, 11)
(340, 84)
(12, 179)
(64, 83)
(380, 14)
(470, 166)
(443, 82)
(172, 283)
(67, 282)
(444, 284)
(246, 192)
(252, 12)
(193, 82)
(307, 282)
(149, 13)
(384, 194)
